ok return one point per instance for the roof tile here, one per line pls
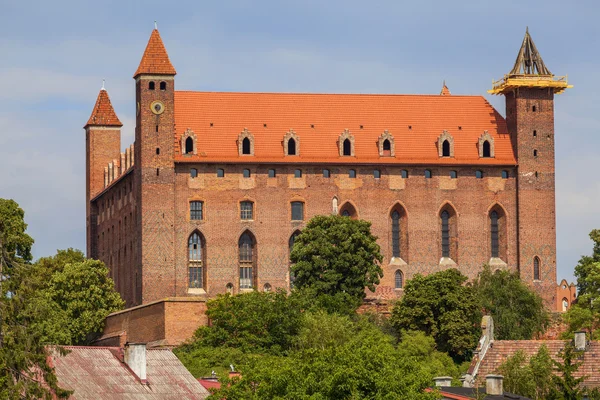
(103, 113)
(155, 59)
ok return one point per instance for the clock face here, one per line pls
(157, 107)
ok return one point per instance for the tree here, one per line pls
(529, 378)
(568, 387)
(335, 254)
(255, 321)
(335, 359)
(441, 306)
(585, 313)
(23, 352)
(518, 312)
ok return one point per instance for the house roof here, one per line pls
(415, 121)
(103, 113)
(462, 393)
(502, 349)
(155, 59)
(99, 373)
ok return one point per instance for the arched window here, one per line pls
(445, 233)
(536, 268)
(151, 85)
(352, 173)
(293, 240)
(404, 174)
(479, 174)
(487, 152)
(246, 256)
(398, 279)
(446, 149)
(189, 145)
(229, 288)
(163, 85)
(565, 304)
(267, 287)
(195, 265)
(453, 174)
(347, 147)
(427, 174)
(494, 234)
(387, 146)
(291, 147)
(246, 173)
(193, 172)
(395, 234)
(297, 173)
(246, 146)
(348, 210)
(220, 173)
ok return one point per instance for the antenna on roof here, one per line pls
(155, 25)
(103, 85)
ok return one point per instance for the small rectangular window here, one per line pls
(297, 211)
(220, 172)
(479, 174)
(193, 172)
(245, 277)
(272, 173)
(376, 174)
(453, 174)
(246, 210)
(195, 275)
(326, 173)
(196, 208)
(246, 173)
(505, 174)
(298, 173)
(352, 173)
(427, 174)
(404, 174)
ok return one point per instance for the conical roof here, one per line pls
(103, 113)
(155, 59)
(529, 61)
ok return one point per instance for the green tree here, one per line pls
(568, 387)
(585, 313)
(350, 361)
(518, 312)
(255, 321)
(23, 352)
(442, 307)
(335, 254)
(529, 378)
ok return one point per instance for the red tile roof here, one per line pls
(155, 59)
(415, 121)
(98, 373)
(103, 113)
(502, 349)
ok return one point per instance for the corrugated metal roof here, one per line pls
(98, 373)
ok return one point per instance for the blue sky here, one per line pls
(54, 55)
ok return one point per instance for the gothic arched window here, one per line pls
(494, 230)
(291, 147)
(247, 260)
(395, 233)
(246, 146)
(487, 149)
(446, 149)
(536, 268)
(347, 147)
(445, 233)
(195, 261)
(189, 145)
(398, 279)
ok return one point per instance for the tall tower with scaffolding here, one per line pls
(529, 90)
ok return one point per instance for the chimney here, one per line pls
(580, 341)
(493, 385)
(443, 381)
(135, 358)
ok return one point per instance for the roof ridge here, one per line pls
(331, 94)
(155, 59)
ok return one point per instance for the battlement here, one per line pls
(116, 168)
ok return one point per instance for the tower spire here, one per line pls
(103, 113)
(529, 71)
(155, 59)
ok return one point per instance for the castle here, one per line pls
(216, 186)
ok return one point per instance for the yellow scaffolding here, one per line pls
(511, 81)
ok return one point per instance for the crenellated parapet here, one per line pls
(116, 168)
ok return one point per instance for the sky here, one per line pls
(54, 55)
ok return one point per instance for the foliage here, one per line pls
(356, 361)
(440, 306)
(585, 314)
(255, 321)
(15, 244)
(529, 379)
(335, 254)
(23, 352)
(568, 387)
(518, 312)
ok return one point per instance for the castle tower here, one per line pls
(154, 174)
(103, 145)
(529, 89)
